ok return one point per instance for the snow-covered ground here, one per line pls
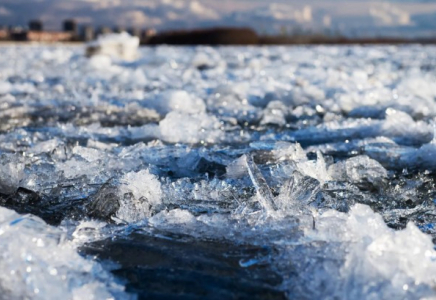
(324, 155)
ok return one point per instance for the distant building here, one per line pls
(70, 26)
(36, 25)
(49, 36)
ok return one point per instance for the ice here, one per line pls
(132, 197)
(207, 58)
(423, 157)
(231, 101)
(175, 216)
(340, 196)
(47, 146)
(11, 173)
(120, 45)
(386, 263)
(275, 114)
(37, 262)
(263, 192)
(5, 87)
(288, 151)
(237, 168)
(400, 125)
(358, 170)
(100, 61)
(139, 194)
(315, 169)
(297, 193)
(190, 128)
(370, 258)
(179, 101)
(321, 157)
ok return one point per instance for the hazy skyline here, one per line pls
(350, 17)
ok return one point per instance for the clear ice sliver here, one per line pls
(265, 196)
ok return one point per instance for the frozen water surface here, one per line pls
(213, 173)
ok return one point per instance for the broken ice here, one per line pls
(322, 157)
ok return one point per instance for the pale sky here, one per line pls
(362, 17)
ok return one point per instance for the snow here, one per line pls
(323, 154)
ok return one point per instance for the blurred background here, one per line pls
(395, 19)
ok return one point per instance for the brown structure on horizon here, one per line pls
(36, 33)
(213, 36)
(70, 33)
(4, 33)
(49, 36)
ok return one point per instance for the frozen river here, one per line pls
(218, 173)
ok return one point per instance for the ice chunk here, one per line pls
(206, 59)
(275, 114)
(37, 263)
(340, 196)
(422, 88)
(140, 193)
(232, 101)
(298, 193)
(175, 216)
(100, 62)
(199, 128)
(315, 169)
(85, 161)
(379, 255)
(11, 173)
(265, 196)
(288, 151)
(237, 168)
(401, 126)
(177, 101)
(89, 154)
(359, 169)
(46, 146)
(120, 45)
(145, 132)
(423, 157)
